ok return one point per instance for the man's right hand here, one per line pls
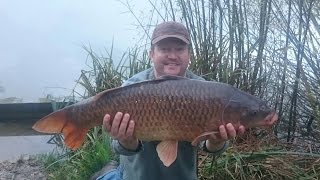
(121, 128)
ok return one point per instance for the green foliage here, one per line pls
(106, 72)
(82, 163)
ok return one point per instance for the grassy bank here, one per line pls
(82, 163)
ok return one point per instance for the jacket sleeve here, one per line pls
(119, 149)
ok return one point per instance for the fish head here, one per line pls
(258, 116)
(249, 111)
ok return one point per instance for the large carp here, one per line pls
(169, 109)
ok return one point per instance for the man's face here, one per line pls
(170, 56)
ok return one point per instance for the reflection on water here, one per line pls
(13, 147)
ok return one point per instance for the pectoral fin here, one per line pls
(167, 152)
(202, 137)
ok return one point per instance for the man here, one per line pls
(170, 55)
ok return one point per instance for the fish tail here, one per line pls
(58, 122)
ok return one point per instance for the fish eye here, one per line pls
(253, 113)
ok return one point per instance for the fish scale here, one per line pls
(153, 97)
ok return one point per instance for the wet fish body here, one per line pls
(169, 109)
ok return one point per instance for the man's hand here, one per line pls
(121, 128)
(217, 141)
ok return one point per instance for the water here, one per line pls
(13, 147)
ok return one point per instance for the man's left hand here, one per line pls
(226, 132)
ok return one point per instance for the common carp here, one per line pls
(169, 109)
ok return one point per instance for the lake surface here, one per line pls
(13, 147)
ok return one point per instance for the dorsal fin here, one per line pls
(161, 78)
(102, 93)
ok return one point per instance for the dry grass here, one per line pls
(259, 157)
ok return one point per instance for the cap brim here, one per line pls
(155, 40)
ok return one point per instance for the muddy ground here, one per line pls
(24, 168)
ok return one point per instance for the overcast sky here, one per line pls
(41, 42)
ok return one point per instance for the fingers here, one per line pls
(241, 130)
(223, 133)
(121, 127)
(130, 128)
(126, 127)
(107, 123)
(115, 124)
(227, 132)
(231, 131)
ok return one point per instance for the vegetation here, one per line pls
(262, 165)
(80, 164)
(259, 158)
(268, 48)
